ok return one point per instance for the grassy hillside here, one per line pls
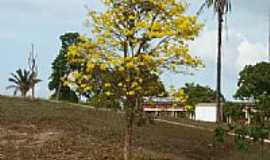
(43, 130)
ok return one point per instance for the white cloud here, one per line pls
(237, 50)
(251, 53)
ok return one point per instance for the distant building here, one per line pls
(159, 105)
(206, 112)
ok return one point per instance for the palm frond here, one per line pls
(15, 77)
(22, 81)
(222, 6)
(11, 87)
(206, 5)
(15, 91)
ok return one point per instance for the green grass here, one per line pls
(44, 130)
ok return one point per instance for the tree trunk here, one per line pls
(262, 149)
(128, 136)
(23, 93)
(218, 96)
(129, 130)
(58, 91)
(33, 92)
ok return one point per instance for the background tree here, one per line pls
(60, 68)
(254, 81)
(133, 38)
(221, 8)
(234, 112)
(23, 81)
(200, 94)
(253, 85)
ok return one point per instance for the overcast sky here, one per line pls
(42, 22)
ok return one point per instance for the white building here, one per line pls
(206, 112)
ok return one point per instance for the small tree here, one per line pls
(60, 69)
(133, 38)
(260, 122)
(254, 85)
(23, 81)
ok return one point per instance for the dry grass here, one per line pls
(42, 130)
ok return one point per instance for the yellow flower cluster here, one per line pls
(128, 45)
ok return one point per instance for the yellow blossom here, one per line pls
(121, 69)
(120, 84)
(90, 67)
(103, 67)
(131, 93)
(130, 65)
(134, 84)
(107, 85)
(108, 93)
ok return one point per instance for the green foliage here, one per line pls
(60, 69)
(263, 106)
(220, 135)
(199, 94)
(254, 81)
(259, 133)
(103, 101)
(260, 122)
(65, 94)
(190, 109)
(240, 138)
(152, 86)
(23, 81)
(234, 111)
(254, 85)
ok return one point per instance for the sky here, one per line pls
(42, 22)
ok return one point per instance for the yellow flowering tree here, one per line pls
(133, 40)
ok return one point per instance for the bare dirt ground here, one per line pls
(41, 130)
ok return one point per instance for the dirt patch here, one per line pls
(22, 135)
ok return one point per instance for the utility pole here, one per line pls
(269, 34)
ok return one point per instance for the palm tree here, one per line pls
(221, 8)
(22, 81)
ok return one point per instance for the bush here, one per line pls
(102, 101)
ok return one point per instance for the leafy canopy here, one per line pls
(133, 40)
(199, 94)
(254, 81)
(61, 68)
